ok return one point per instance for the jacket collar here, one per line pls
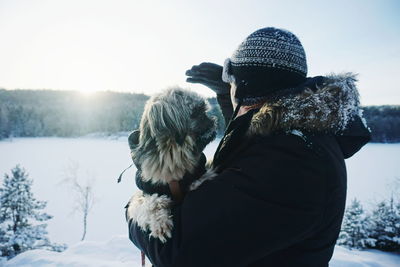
(323, 104)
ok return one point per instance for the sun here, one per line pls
(87, 93)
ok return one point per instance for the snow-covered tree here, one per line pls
(3, 239)
(355, 228)
(386, 225)
(21, 216)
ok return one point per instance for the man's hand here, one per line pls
(210, 75)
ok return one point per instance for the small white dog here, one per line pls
(174, 130)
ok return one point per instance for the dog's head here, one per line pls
(174, 129)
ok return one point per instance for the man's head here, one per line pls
(267, 61)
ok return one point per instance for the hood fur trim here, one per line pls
(326, 108)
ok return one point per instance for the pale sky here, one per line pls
(145, 46)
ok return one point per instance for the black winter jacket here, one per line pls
(280, 192)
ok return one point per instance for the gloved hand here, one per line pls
(210, 75)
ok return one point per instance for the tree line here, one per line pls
(28, 113)
(384, 122)
(32, 113)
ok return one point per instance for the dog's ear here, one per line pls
(133, 139)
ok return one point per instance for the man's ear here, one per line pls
(227, 75)
(234, 100)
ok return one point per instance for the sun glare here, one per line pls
(86, 93)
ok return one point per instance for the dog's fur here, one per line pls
(153, 213)
(174, 130)
(327, 109)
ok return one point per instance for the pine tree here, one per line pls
(355, 228)
(20, 216)
(386, 225)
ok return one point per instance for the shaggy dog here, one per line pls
(174, 130)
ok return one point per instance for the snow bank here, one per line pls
(119, 251)
(343, 257)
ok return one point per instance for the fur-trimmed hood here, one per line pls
(323, 104)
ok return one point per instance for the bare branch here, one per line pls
(83, 192)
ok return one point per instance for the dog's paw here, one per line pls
(160, 219)
(153, 213)
(134, 206)
(162, 229)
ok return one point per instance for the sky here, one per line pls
(146, 46)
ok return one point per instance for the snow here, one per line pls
(343, 257)
(100, 159)
(47, 159)
(371, 173)
(120, 252)
(370, 176)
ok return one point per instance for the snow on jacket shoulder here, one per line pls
(279, 196)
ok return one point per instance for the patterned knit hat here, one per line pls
(267, 61)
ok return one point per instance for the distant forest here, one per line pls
(30, 113)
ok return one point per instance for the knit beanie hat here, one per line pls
(267, 61)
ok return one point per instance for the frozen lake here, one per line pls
(371, 173)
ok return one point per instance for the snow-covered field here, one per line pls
(118, 252)
(370, 176)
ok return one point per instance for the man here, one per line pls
(279, 194)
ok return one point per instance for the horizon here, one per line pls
(136, 47)
(93, 93)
